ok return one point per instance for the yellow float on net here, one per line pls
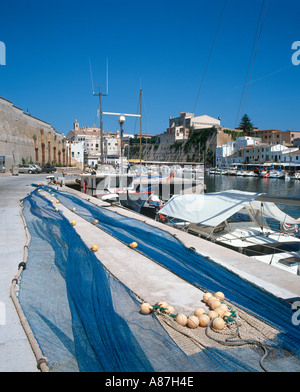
(94, 248)
(133, 245)
(73, 223)
(95, 222)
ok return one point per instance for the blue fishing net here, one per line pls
(86, 320)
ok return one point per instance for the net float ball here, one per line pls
(218, 324)
(210, 300)
(73, 223)
(94, 248)
(219, 295)
(181, 319)
(44, 194)
(95, 222)
(220, 311)
(56, 209)
(206, 296)
(199, 311)
(169, 309)
(74, 209)
(162, 304)
(224, 306)
(204, 320)
(226, 314)
(52, 201)
(193, 322)
(146, 308)
(57, 201)
(133, 244)
(212, 314)
(215, 304)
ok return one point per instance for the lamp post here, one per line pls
(121, 121)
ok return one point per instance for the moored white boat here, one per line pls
(234, 219)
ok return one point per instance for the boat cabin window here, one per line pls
(238, 217)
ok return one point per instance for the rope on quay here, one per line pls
(41, 360)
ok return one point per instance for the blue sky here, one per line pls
(160, 46)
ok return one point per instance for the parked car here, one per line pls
(27, 168)
(49, 169)
(38, 168)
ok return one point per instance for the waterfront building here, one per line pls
(90, 138)
(292, 157)
(180, 127)
(264, 152)
(76, 153)
(231, 153)
(276, 136)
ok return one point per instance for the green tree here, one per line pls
(246, 125)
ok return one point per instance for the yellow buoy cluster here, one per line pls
(218, 317)
(220, 313)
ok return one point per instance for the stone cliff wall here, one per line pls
(24, 138)
(190, 150)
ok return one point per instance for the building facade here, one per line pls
(181, 126)
(90, 138)
(276, 136)
(27, 139)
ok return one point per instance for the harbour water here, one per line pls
(268, 186)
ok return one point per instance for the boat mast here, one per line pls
(101, 121)
(140, 137)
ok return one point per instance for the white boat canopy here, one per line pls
(270, 210)
(209, 209)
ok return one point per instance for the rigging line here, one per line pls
(210, 53)
(249, 64)
(255, 54)
(137, 110)
(91, 74)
